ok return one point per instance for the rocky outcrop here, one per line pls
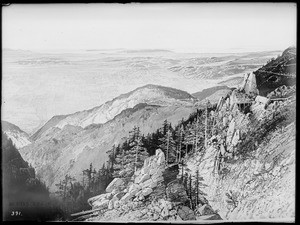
(205, 210)
(245, 188)
(186, 213)
(116, 184)
(146, 197)
(149, 177)
(100, 201)
(249, 84)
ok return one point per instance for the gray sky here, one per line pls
(216, 27)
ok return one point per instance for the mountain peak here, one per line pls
(167, 91)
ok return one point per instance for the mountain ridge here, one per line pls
(150, 94)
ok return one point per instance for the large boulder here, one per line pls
(164, 212)
(205, 210)
(120, 195)
(176, 192)
(150, 183)
(160, 157)
(249, 84)
(99, 198)
(116, 204)
(262, 100)
(142, 178)
(147, 191)
(222, 150)
(236, 138)
(210, 217)
(100, 204)
(155, 161)
(185, 213)
(110, 205)
(134, 188)
(164, 204)
(225, 121)
(116, 183)
(157, 170)
(127, 196)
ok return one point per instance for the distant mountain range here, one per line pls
(19, 137)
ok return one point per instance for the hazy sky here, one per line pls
(180, 27)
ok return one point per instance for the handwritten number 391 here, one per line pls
(15, 213)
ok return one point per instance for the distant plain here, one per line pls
(38, 85)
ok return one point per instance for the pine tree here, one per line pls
(198, 184)
(132, 156)
(179, 141)
(64, 187)
(190, 188)
(89, 173)
(168, 144)
(188, 137)
(111, 156)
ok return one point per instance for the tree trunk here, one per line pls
(180, 139)
(168, 140)
(136, 156)
(205, 143)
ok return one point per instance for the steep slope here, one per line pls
(212, 94)
(19, 137)
(51, 123)
(209, 91)
(150, 94)
(277, 72)
(71, 149)
(20, 185)
(259, 181)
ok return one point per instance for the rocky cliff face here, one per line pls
(251, 178)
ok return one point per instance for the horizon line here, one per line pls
(187, 51)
